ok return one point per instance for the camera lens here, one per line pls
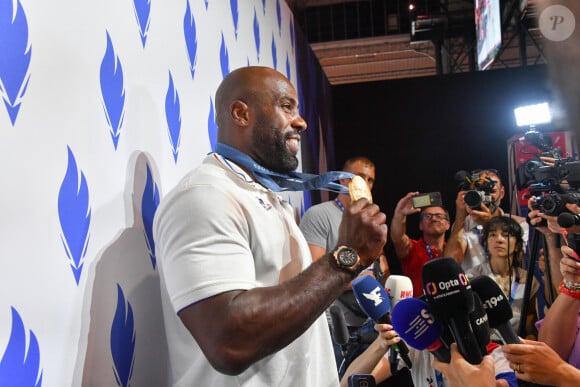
(472, 199)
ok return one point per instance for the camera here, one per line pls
(554, 203)
(478, 189)
(427, 200)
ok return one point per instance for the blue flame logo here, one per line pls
(18, 367)
(224, 58)
(235, 15)
(279, 15)
(14, 56)
(257, 34)
(142, 10)
(173, 117)
(74, 214)
(149, 204)
(274, 54)
(189, 33)
(123, 340)
(211, 125)
(292, 37)
(288, 67)
(264, 6)
(206, 4)
(113, 91)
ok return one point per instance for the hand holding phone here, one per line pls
(427, 200)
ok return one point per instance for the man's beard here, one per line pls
(273, 152)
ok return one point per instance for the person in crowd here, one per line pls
(503, 242)
(434, 223)
(463, 242)
(319, 224)
(243, 303)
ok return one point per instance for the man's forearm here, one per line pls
(261, 321)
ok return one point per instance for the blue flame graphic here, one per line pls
(113, 91)
(264, 6)
(274, 53)
(224, 58)
(149, 205)
(74, 214)
(211, 125)
(292, 37)
(206, 4)
(18, 367)
(142, 10)
(288, 68)
(123, 340)
(257, 34)
(15, 56)
(173, 117)
(279, 15)
(190, 35)
(235, 15)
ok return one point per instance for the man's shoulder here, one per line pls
(324, 207)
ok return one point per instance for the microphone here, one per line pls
(499, 311)
(479, 324)
(413, 321)
(374, 301)
(448, 291)
(398, 287)
(566, 219)
(338, 328)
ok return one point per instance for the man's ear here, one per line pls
(240, 113)
(502, 192)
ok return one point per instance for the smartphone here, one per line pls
(427, 200)
(361, 380)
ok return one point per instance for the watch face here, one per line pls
(347, 256)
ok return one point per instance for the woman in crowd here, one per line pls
(502, 240)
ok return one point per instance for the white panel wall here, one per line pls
(91, 136)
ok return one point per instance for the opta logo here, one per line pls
(463, 280)
(431, 288)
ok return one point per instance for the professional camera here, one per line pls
(478, 189)
(554, 203)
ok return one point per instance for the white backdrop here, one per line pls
(106, 104)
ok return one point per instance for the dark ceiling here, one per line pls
(370, 40)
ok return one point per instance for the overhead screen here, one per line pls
(488, 30)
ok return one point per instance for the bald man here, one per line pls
(243, 301)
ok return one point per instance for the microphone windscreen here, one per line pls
(398, 287)
(566, 219)
(447, 288)
(494, 300)
(371, 297)
(412, 320)
(338, 326)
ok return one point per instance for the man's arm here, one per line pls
(456, 244)
(399, 236)
(316, 251)
(247, 326)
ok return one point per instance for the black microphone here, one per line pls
(480, 324)
(449, 294)
(566, 219)
(499, 311)
(338, 328)
(374, 301)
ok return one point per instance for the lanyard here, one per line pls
(339, 204)
(277, 182)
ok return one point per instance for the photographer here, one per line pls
(463, 244)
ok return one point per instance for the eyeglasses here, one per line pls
(428, 216)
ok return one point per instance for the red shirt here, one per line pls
(412, 265)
